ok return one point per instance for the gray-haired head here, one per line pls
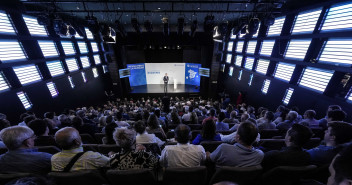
(80, 113)
(125, 138)
(68, 138)
(13, 137)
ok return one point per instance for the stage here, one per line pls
(159, 88)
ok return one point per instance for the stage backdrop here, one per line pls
(153, 73)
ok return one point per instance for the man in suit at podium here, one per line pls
(166, 81)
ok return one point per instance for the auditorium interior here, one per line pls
(227, 92)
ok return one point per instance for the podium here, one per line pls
(175, 84)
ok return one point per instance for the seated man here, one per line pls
(143, 136)
(70, 141)
(21, 157)
(41, 130)
(341, 168)
(293, 154)
(290, 120)
(310, 120)
(337, 133)
(183, 154)
(241, 154)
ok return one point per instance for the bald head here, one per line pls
(68, 138)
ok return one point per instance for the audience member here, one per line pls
(21, 156)
(290, 120)
(341, 168)
(310, 120)
(324, 121)
(41, 130)
(281, 118)
(143, 136)
(211, 116)
(266, 122)
(242, 153)
(109, 130)
(208, 133)
(130, 156)
(293, 154)
(70, 141)
(232, 118)
(154, 126)
(4, 123)
(183, 154)
(186, 117)
(338, 133)
(220, 125)
(175, 118)
(119, 121)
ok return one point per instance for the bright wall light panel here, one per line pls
(52, 89)
(97, 59)
(48, 48)
(230, 71)
(238, 60)
(25, 100)
(250, 80)
(251, 46)
(94, 46)
(239, 46)
(105, 69)
(229, 46)
(305, 21)
(284, 71)
(297, 48)
(55, 68)
(337, 51)
(338, 18)
(82, 47)
(287, 97)
(4, 85)
(11, 50)
(267, 47)
(95, 72)
(89, 33)
(256, 34)
(5, 24)
(315, 78)
(68, 47)
(85, 62)
(34, 28)
(84, 77)
(71, 82)
(249, 63)
(239, 75)
(228, 58)
(72, 64)
(27, 74)
(262, 66)
(266, 85)
(276, 28)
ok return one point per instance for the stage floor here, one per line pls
(159, 88)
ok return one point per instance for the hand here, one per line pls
(207, 154)
(111, 153)
(140, 147)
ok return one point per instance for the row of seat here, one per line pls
(282, 175)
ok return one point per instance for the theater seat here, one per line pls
(170, 134)
(5, 178)
(128, 177)
(86, 177)
(105, 149)
(287, 175)
(195, 133)
(210, 146)
(196, 126)
(269, 133)
(312, 143)
(271, 144)
(87, 139)
(3, 150)
(99, 137)
(240, 175)
(153, 148)
(90, 147)
(48, 149)
(185, 176)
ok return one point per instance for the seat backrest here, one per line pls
(152, 147)
(90, 147)
(240, 175)
(48, 149)
(133, 176)
(287, 175)
(3, 150)
(99, 137)
(159, 135)
(196, 126)
(272, 144)
(105, 149)
(5, 178)
(185, 176)
(318, 132)
(86, 177)
(170, 134)
(225, 132)
(210, 146)
(88, 139)
(269, 133)
(195, 133)
(312, 143)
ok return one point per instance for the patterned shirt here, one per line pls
(88, 161)
(134, 160)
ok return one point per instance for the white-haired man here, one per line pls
(21, 156)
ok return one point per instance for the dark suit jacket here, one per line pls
(166, 79)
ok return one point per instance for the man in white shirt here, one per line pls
(143, 137)
(187, 116)
(183, 154)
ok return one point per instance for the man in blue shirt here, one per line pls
(337, 134)
(22, 157)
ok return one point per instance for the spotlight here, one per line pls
(148, 26)
(194, 28)
(270, 20)
(166, 29)
(180, 25)
(120, 28)
(220, 31)
(135, 25)
(93, 24)
(60, 27)
(209, 23)
(239, 28)
(44, 20)
(253, 26)
(109, 34)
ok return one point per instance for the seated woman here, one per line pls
(109, 130)
(155, 127)
(143, 137)
(131, 157)
(208, 133)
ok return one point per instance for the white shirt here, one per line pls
(186, 117)
(122, 124)
(182, 155)
(231, 138)
(148, 138)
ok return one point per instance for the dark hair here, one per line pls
(49, 115)
(300, 134)
(337, 115)
(334, 107)
(139, 126)
(248, 132)
(182, 133)
(284, 113)
(138, 116)
(28, 119)
(174, 118)
(4, 123)
(153, 122)
(109, 119)
(250, 109)
(109, 130)
(157, 112)
(295, 108)
(190, 109)
(193, 118)
(119, 115)
(269, 115)
(145, 115)
(23, 115)
(310, 114)
(39, 126)
(212, 112)
(281, 108)
(342, 131)
(77, 122)
(209, 129)
(343, 165)
(221, 116)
